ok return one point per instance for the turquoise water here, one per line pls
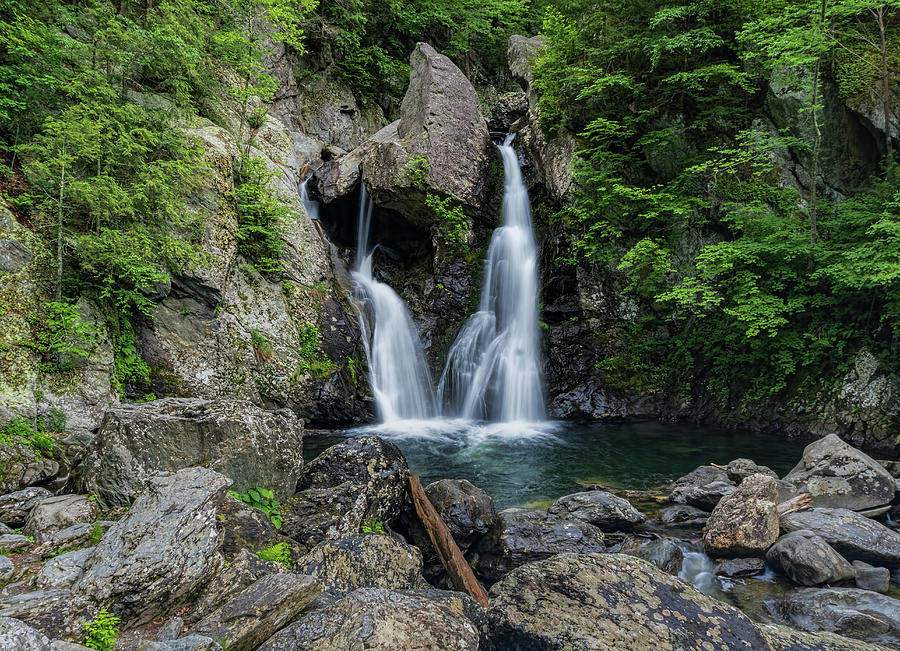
(520, 464)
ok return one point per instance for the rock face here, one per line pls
(163, 550)
(852, 535)
(440, 144)
(57, 513)
(610, 601)
(599, 508)
(370, 618)
(17, 635)
(15, 507)
(808, 559)
(251, 446)
(520, 536)
(702, 488)
(745, 522)
(840, 476)
(859, 614)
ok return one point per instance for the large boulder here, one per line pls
(859, 614)
(739, 469)
(664, 553)
(466, 509)
(854, 536)
(366, 561)
(163, 550)
(56, 613)
(599, 508)
(838, 475)
(702, 488)
(18, 635)
(251, 446)
(808, 559)
(520, 536)
(790, 639)
(57, 513)
(359, 480)
(745, 522)
(63, 571)
(440, 145)
(22, 467)
(610, 601)
(372, 618)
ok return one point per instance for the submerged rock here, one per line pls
(808, 560)
(745, 522)
(854, 536)
(703, 487)
(838, 475)
(859, 614)
(599, 508)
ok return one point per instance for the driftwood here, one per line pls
(461, 574)
(715, 465)
(802, 502)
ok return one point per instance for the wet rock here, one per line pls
(789, 639)
(736, 567)
(243, 570)
(876, 579)
(63, 571)
(256, 613)
(852, 535)
(7, 569)
(808, 560)
(466, 509)
(366, 561)
(745, 522)
(837, 475)
(739, 469)
(664, 553)
(684, 515)
(15, 507)
(371, 618)
(359, 480)
(509, 109)
(603, 601)
(251, 446)
(15, 634)
(703, 487)
(520, 536)
(56, 613)
(859, 614)
(440, 125)
(13, 542)
(164, 548)
(599, 508)
(57, 513)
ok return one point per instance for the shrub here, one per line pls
(258, 117)
(264, 500)
(279, 552)
(102, 631)
(56, 420)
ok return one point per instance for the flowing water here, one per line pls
(493, 368)
(398, 375)
(312, 207)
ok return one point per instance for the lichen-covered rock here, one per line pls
(664, 553)
(257, 612)
(371, 618)
(610, 601)
(440, 144)
(789, 639)
(186, 643)
(163, 550)
(703, 487)
(837, 475)
(739, 469)
(366, 561)
(63, 571)
(520, 536)
(78, 535)
(808, 560)
(15, 507)
(859, 614)
(244, 526)
(854, 536)
(251, 446)
(242, 571)
(17, 635)
(745, 522)
(54, 514)
(56, 613)
(466, 509)
(599, 508)
(7, 569)
(23, 468)
(13, 542)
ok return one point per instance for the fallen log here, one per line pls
(803, 502)
(458, 569)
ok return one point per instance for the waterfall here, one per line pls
(400, 381)
(493, 367)
(312, 207)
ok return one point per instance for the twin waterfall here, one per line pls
(493, 368)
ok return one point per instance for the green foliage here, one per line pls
(279, 553)
(101, 632)
(96, 534)
(129, 367)
(55, 420)
(260, 216)
(451, 222)
(60, 336)
(373, 526)
(310, 360)
(258, 117)
(264, 500)
(261, 348)
(22, 431)
(416, 170)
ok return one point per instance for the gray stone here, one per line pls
(63, 571)
(520, 536)
(665, 553)
(72, 537)
(366, 561)
(610, 601)
(244, 569)
(859, 614)
(789, 639)
(466, 509)
(599, 508)
(745, 522)
(7, 569)
(18, 636)
(739, 469)
(13, 256)
(808, 560)
(63, 645)
(13, 542)
(14, 507)
(876, 579)
(259, 611)
(684, 515)
(244, 526)
(56, 613)
(736, 567)
(251, 446)
(163, 550)
(23, 468)
(57, 513)
(372, 618)
(853, 536)
(837, 475)
(171, 630)
(703, 487)
(186, 643)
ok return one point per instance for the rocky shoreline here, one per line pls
(188, 554)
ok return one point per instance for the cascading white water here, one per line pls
(312, 207)
(493, 367)
(400, 381)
